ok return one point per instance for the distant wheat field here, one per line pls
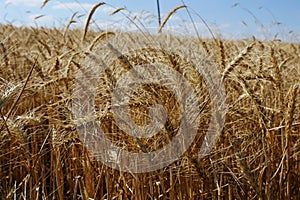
(257, 155)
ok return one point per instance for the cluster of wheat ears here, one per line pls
(257, 155)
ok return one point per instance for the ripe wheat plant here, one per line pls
(257, 155)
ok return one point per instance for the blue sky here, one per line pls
(231, 19)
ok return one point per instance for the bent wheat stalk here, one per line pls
(168, 17)
(86, 26)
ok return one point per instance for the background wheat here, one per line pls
(42, 157)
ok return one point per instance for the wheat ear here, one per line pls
(236, 60)
(88, 19)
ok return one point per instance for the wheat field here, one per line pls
(257, 155)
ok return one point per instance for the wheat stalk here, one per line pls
(289, 119)
(100, 37)
(116, 11)
(168, 17)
